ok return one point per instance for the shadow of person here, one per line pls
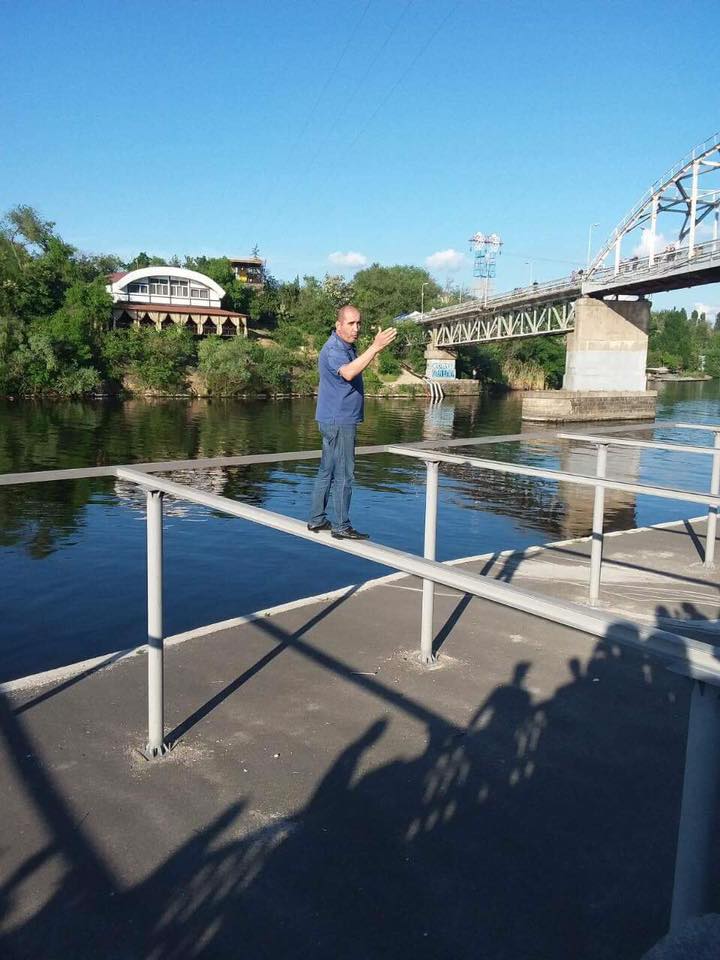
(541, 829)
(609, 776)
(402, 857)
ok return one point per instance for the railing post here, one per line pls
(711, 531)
(428, 594)
(695, 857)
(156, 745)
(596, 545)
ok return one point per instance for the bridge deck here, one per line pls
(330, 797)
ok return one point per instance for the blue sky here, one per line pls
(388, 129)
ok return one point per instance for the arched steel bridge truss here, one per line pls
(675, 226)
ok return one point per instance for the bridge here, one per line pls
(674, 232)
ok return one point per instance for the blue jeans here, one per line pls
(337, 471)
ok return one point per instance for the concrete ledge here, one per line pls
(580, 405)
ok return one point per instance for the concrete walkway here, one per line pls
(329, 797)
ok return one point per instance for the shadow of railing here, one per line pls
(543, 827)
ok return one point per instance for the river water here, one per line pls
(72, 554)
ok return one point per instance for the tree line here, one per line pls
(684, 344)
(56, 337)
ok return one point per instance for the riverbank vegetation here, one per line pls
(56, 340)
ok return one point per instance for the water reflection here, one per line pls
(56, 538)
(623, 463)
(439, 420)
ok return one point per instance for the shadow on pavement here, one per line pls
(544, 828)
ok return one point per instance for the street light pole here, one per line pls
(589, 249)
(422, 296)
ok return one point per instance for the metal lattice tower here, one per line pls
(485, 249)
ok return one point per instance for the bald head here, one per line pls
(346, 312)
(347, 324)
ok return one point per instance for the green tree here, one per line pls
(143, 260)
(228, 366)
(408, 348)
(24, 223)
(383, 293)
(674, 339)
(712, 357)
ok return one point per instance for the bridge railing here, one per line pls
(516, 296)
(664, 261)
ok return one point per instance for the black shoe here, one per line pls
(317, 527)
(349, 534)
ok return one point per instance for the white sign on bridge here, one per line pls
(440, 370)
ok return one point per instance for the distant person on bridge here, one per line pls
(340, 407)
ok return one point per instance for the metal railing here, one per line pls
(599, 482)
(663, 262)
(698, 660)
(602, 444)
(167, 300)
(698, 811)
(568, 288)
(565, 287)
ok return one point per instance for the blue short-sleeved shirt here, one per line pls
(339, 401)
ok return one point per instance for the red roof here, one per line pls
(174, 308)
(118, 275)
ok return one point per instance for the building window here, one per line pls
(202, 292)
(138, 288)
(178, 290)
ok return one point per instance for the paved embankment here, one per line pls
(329, 797)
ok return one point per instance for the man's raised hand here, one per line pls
(383, 338)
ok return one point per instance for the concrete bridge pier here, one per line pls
(439, 363)
(604, 367)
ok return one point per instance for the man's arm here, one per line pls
(383, 338)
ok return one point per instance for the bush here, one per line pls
(411, 389)
(78, 381)
(673, 362)
(371, 380)
(523, 374)
(158, 358)
(305, 380)
(229, 367)
(239, 366)
(290, 335)
(712, 362)
(275, 370)
(389, 364)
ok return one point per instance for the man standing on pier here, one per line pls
(340, 406)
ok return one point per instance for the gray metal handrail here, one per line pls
(599, 482)
(698, 810)
(714, 452)
(160, 466)
(695, 659)
(664, 261)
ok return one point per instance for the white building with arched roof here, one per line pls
(165, 296)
